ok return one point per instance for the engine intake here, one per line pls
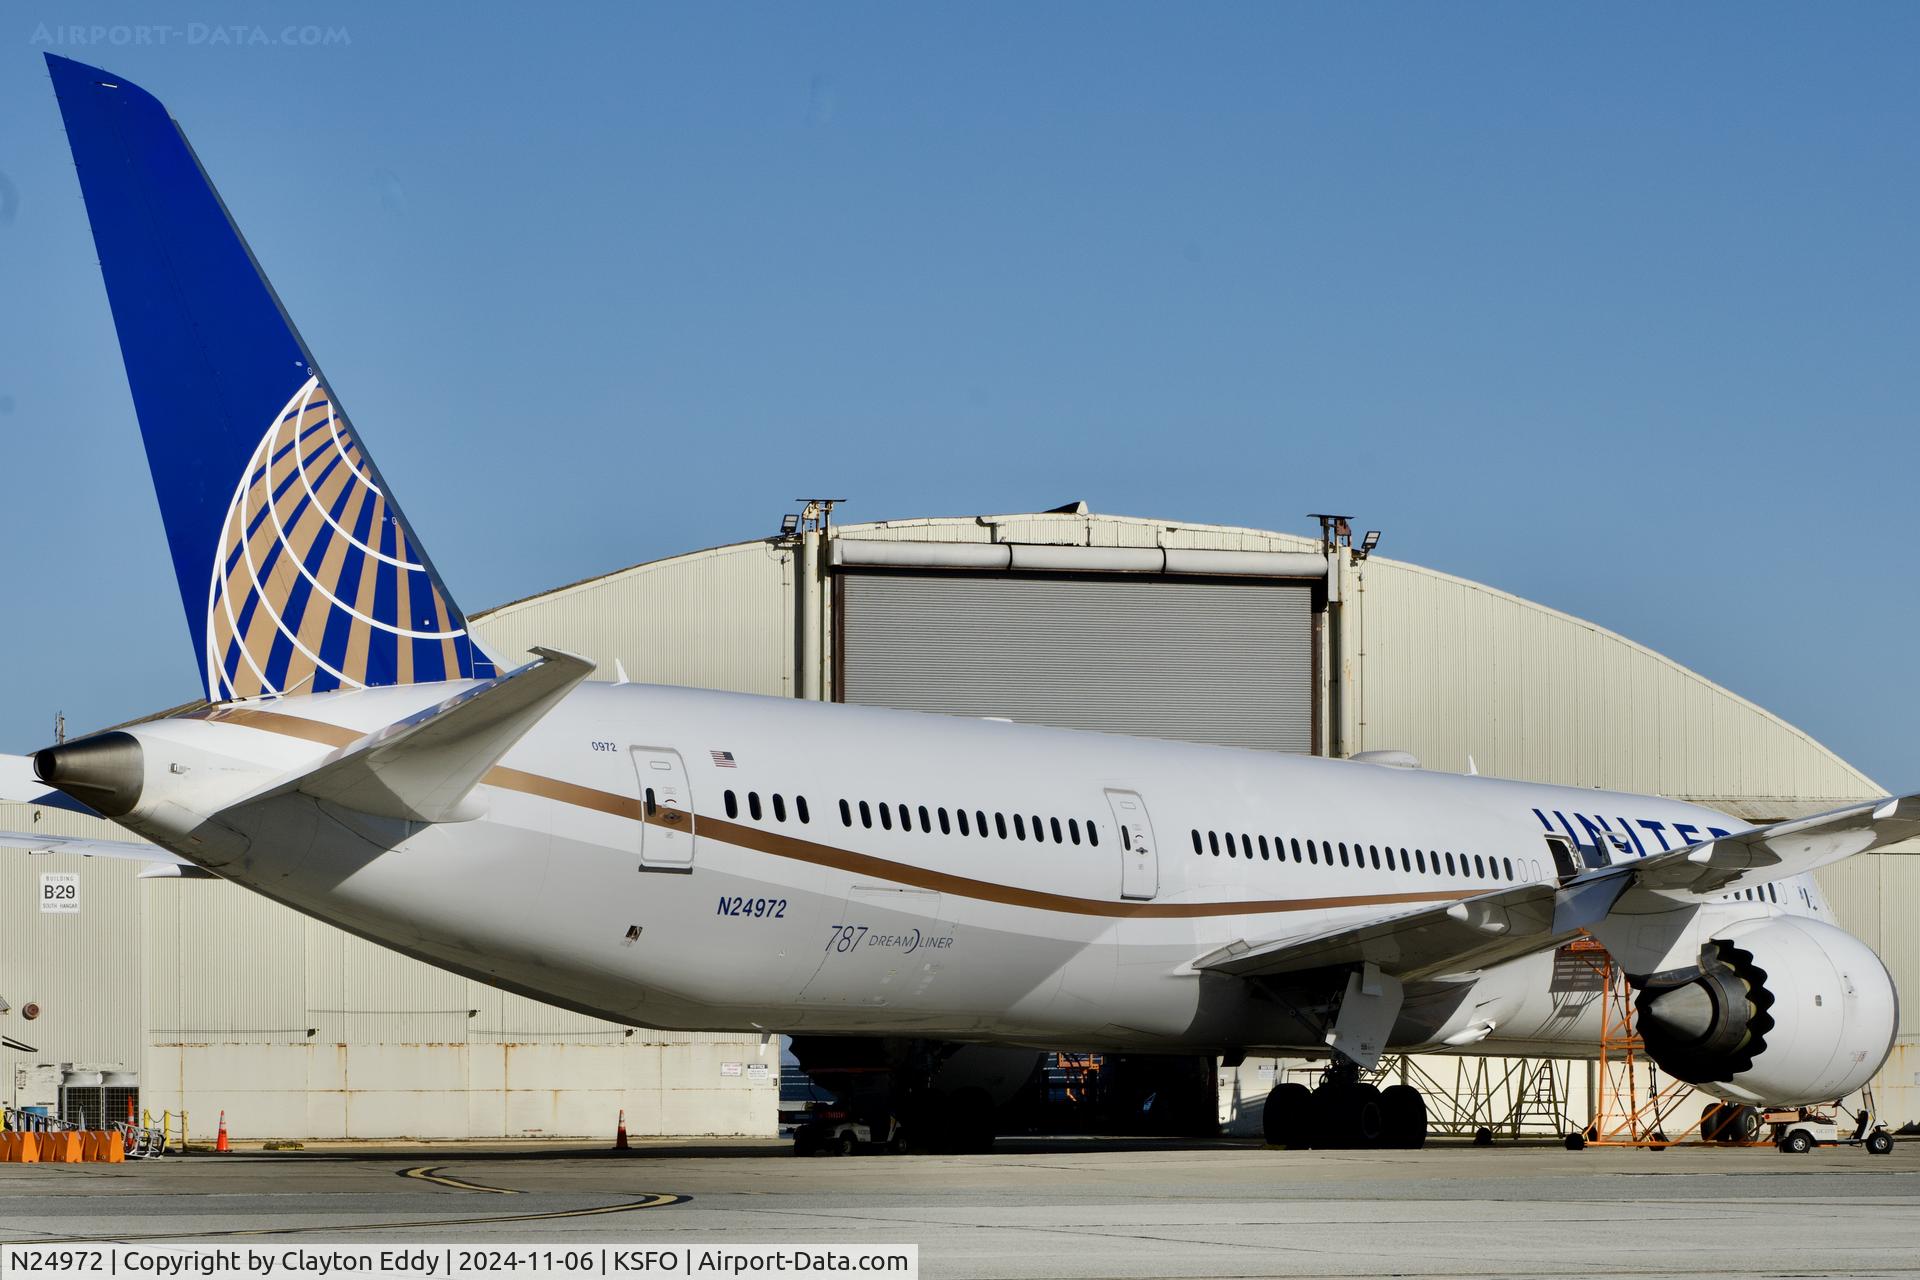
(1707, 1026)
(1785, 1011)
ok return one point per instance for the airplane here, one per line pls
(894, 889)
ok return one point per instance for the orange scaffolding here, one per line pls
(1631, 1108)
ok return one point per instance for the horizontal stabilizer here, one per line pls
(424, 768)
(160, 862)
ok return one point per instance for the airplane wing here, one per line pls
(1511, 922)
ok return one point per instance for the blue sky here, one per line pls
(1613, 307)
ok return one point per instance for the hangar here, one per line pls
(211, 998)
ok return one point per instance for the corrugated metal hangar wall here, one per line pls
(1200, 632)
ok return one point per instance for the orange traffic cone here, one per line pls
(620, 1133)
(220, 1143)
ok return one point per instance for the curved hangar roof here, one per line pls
(1434, 664)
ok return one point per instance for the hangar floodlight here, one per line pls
(789, 524)
(1368, 543)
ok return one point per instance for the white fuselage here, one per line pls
(693, 860)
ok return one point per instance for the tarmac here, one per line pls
(1053, 1208)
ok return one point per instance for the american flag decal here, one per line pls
(723, 760)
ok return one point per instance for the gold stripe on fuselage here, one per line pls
(780, 845)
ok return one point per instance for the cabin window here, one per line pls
(1373, 851)
(846, 814)
(1343, 854)
(1479, 868)
(980, 822)
(926, 820)
(1129, 844)
(906, 819)
(946, 828)
(886, 818)
(651, 806)
(1295, 842)
(1000, 824)
(1093, 834)
(779, 808)
(753, 805)
(732, 804)
(1073, 829)
(1450, 870)
(1420, 860)
(1506, 865)
(1313, 853)
(1264, 856)
(960, 815)
(1054, 823)
(1039, 830)
(1213, 842)
(800, 810)
(866, 816)
(1019, 827)
(1390, 865)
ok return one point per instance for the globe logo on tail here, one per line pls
(317, 585)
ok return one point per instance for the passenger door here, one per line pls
(666, 810)
(1139, 858)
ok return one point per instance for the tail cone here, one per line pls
(105, 771)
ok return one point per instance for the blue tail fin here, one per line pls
(297, 569)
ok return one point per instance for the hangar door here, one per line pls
(1227, 661)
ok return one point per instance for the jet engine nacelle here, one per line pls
(1780, 1012)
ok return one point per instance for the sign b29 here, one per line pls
(60, 893)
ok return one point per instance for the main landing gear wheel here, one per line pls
(1348, 1116)
(1405, 1114)
(1345, 1114)
(1287, 1118)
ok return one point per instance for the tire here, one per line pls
(1576, 1141)
(1351, 1117)
(1404, 1110)
(897, 1145)
(1483, 1137)
(1714, 1126)
(1287, 1118)
(842, 1144)
(1798, 1143)
(1879, 1142)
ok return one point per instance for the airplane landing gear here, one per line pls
(1345, 1113)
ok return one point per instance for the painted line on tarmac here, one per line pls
(438, 1174)
(659, 1200)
